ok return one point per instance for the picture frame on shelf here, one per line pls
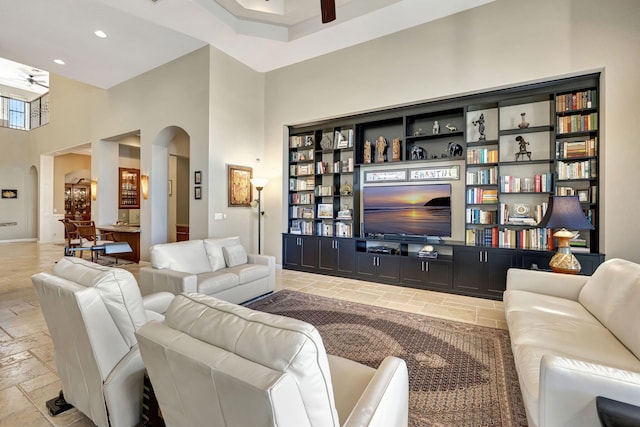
(385, 175)
(583, 196)
(197, 192)
(325, 211)
(239, 183)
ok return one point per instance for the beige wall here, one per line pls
(507, 42)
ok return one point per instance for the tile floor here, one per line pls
(27, 371)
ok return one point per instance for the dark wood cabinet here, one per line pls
(337, 256)
(300, 252)
(129, 188)
(372, 266)
(482, 271)
(77, 202)
(424, 273)
(539, 260)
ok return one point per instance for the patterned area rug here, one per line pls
(459, 374)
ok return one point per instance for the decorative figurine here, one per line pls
(326, 143)
(480, 124)
(436, 127)
(396, 150)
(346, 189)
(367, 152)
(523, 124)
(522, 144)
(455, 150)
(417, 132)
(381, 148)
(418, 153)
(451, 127)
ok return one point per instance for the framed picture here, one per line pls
(9, 194)
(435, 173)
(197, 177)
(239, 180)
(197, 192)
(583, 196)
(385, 175)
(325, 210)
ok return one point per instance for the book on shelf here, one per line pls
(579, 148)
(324, 190)
(324, 229)
(343, 139)
(345, 214)
(577, 123)
(482, 155)
(343, 229)
(576, 101)
(486, 176)
(301, 199)
(301, 227)
(584, 169)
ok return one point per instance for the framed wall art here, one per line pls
(385, 175)
(197, 192)
(239, 180)
(197, 177)
(9, 194)
(435, 173)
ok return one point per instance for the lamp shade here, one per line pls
(259, 182)
(565, 212)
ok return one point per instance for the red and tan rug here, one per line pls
(459, 374)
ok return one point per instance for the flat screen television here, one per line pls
(412, 210)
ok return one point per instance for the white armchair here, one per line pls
(216, 363)
(92, 313)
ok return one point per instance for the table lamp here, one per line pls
(565, 213)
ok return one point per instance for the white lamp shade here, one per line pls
(259, 182)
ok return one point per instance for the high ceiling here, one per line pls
(144, 34)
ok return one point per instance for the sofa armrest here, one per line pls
(157, 302)
(569, 387)
(545, 282)
(269, 261)
(154, 280)
(385, 401)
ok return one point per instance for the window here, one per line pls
(17, 116)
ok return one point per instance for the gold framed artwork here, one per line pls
(239, 181)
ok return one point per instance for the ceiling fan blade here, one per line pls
(328, 9)
(41, 84)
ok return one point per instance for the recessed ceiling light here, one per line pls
(59, 61)
(101, 34)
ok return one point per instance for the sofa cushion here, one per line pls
(234, 255)
(118, 289)
(612, 295)
(188, 256)
(213, 247)
(249, 272)
(217, 281)
(253, 336)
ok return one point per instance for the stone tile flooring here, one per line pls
(27, 370)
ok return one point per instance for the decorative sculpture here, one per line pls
(436, 128)
(451, 127)
(455, 150)
(522, 144)
(346, 189)
(417, 132)
(367, 152)
(418, 153)
(381, 148)
(396, 150)
(480, 124)
(523, 124)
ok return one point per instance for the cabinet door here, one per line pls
(439, 274)
(534, 260)
(328, 255)
(346, 256)
(495, 270)
(366, 265)
(291, 250)
(389, 268)
(412, 271)
(309, 258)
(468, 266)
(589, 262)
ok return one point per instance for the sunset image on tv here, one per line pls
(423, 210)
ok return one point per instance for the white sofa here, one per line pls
(213, 363)
(218, 267)
(575, 338)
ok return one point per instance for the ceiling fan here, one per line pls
(328, 9)
(35, 77)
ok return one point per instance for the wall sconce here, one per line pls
(144, 186)
(94, 189)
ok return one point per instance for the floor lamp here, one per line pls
(259, 183)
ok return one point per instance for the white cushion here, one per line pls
(234, 255)
(213, 247)
(188, 256)
(118, 289)
(612, 295)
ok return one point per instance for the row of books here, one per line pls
(301, 199)
(301, 212)
(477, 156)
(510, 215)
(324, 190)
(482, 195)
(577, 123)
(302, 155)
(486, 176)
(576, 101)
(297, 141)
(531, 238)
(481, 216)
(577, 170)
(586, 195)
(539, 183)
(301, 227)
(339, 166)
(571, 149)
(338, 229)
(304, 184)
(301, 170)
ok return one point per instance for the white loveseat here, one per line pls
(213, 363)
(575, 338)
(218, 267)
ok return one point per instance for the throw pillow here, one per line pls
(234, 255)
